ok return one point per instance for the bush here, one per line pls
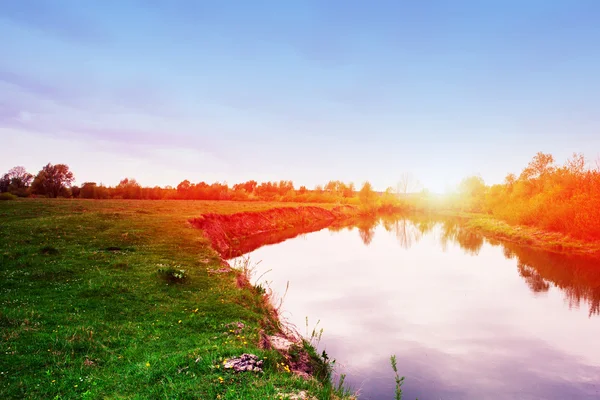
(7, 196)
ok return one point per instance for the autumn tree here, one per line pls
(247, 187)
(541, 164)
(52, 180)
(576, 164)
(367, 197)
(348, 190)
(183, 189)
(129, 189)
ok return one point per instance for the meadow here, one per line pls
(91, 307)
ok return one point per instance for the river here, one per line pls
(467, 317)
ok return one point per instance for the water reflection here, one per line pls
(577, 276)
(467, 316)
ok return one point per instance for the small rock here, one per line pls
(280, 343)
(302, 395)
(245, 362)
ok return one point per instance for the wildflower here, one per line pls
(147, 364)
(179, 322)
(220, 379)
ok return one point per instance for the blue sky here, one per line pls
(163, 91)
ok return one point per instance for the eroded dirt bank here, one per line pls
(236, 234)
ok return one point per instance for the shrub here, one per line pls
(7, 196)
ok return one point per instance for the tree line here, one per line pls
(558, 198)
(57, 181)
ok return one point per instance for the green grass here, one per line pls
(87, 312)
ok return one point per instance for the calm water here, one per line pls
(466, 317)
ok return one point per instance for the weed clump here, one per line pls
(172, 275)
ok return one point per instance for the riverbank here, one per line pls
(124, 298)
(239, 233)
(530, 236)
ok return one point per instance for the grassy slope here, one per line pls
(80, 321)
(530, 236)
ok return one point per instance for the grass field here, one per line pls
(85, 313)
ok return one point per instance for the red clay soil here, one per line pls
(236, 234)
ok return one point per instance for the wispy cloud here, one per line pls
(36, 86)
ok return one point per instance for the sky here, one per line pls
(309, 91)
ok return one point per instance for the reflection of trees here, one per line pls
(408, 229)
(535, 282)
(508, 253)
(406, 233)
(576, 276)
(366, 229)
(452, 231)
(575, 294)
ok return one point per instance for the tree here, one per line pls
(472, 191)
(88, 190)
(348, 190)
(75, 191)
(129, 189)
(407, 184)
(52, 180)
(367, 197)
(16, 181)
(510, 180)
(4, 183)
(541, 164)
(183, 189)
(576, 164)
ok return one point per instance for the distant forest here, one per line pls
(555, 198)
